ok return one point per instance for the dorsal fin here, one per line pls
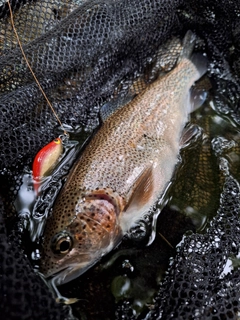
(112, 106)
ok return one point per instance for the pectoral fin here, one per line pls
(142, 192)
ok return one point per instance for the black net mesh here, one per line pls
(83, 53)
(196, 284)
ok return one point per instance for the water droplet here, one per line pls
(126, 264)
(36, 255)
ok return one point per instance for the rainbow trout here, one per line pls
(121, 173)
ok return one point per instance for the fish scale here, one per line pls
(128, 128)
(121, 173)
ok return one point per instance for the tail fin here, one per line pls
(187, 45)
(199, 60)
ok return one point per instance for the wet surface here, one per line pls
(133, 272)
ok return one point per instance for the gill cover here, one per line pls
(91, 231)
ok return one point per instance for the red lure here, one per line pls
(45, 161)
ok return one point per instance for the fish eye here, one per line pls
(61, 243)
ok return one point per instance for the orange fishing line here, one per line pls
(35, 78)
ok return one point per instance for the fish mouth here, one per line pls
(69, 273)
(62, 276)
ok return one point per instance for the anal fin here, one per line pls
(190, 134)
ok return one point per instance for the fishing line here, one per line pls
(30, 68)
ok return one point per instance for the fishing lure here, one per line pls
(45, 161)
(47, 157)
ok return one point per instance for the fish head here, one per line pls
(73, 245)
